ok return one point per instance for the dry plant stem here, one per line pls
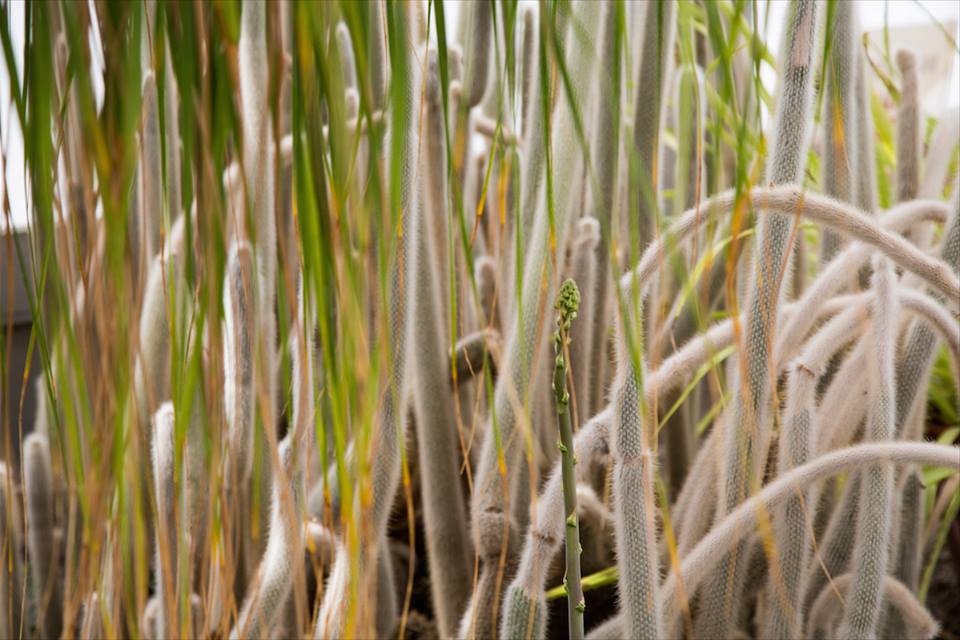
(918, 623)
(568, 302)
(840, 144)
(874, 518)
(653, 82)
(449, 553)
(524, 604)
(526, 340)
(391, 422)
(908, 129)
(38, 488)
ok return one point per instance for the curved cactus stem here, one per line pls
(791, 200)
(476, 350)
(709, 552)
(284, 552)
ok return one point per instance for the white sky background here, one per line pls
(873, 13)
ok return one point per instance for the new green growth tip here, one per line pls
(567, 304)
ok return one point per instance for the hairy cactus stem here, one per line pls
(38, 487)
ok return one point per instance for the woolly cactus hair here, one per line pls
(634, 505)
(840, 148)
(148, 620)
(11, 542)
(865, 189)
(42, 551)
(167, 552)
(908, 128)
(238, 362)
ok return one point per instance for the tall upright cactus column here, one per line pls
(568, 302)
(747, 435)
